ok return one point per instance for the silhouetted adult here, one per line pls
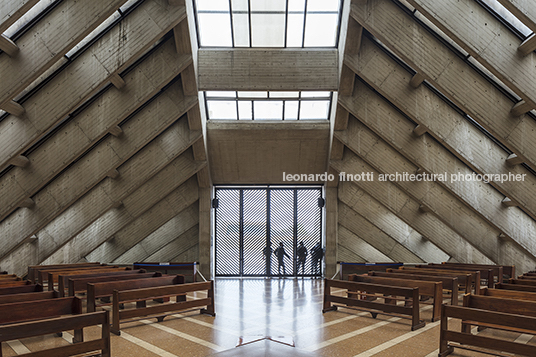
(302, 255)
(280, 254)
(317, 253)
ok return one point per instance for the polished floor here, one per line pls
(268, 317)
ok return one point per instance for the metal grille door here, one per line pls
(265, 231)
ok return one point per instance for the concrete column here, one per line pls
(205, 237)
(331, 231)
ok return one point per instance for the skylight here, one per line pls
(268, 23)
(508, 17)
(30, 16)
(268, 105)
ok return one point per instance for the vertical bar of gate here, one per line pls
(241, 235)
(295, 234)
(268, 233)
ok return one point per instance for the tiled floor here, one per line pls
(288, 311)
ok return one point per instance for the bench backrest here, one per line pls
(80, 284)
(527, 282)
(509, 294)
(425, 287)
(41, 309)
(29, 288)
(32, 269)
(448, 282)
(42, 274)
(507, 269)
(516, 287)
(490, 303)
(61, 277)
(42, 295)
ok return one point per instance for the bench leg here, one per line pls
(160, 318)
(78, 336)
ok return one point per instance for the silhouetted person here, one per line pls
(280, 254)
(302, 255)
(317, 253)
(267, 254)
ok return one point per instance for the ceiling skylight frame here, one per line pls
(300, 104)
(229, 39)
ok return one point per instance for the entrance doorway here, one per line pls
(252, 224)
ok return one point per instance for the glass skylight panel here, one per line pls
(273, 105)
(115, 16)
(126, 6)
(269, 23)
(508, 16)
(312, 109)
(29, 16)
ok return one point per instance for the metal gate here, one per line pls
(252, 224)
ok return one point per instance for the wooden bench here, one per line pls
(106, 289)
(529, 276)
(9, 277)
(347, 268)
(449, 283)
(160, 311)
(28, 288)
(41, 309)
(426, 288)
(516, 287)
(527, 282)
(467, 281)
(466, 340)
(509, 270)
(54, 325)
(32, 269)
(42, 275)
(79, 283)
(62, 277)
(367, 289)
(11, 283)
(42, 295)
(188, 269)
(509, 294)
(487, 273)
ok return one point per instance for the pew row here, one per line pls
(188, 269)
(509, 270)
(160, 311)
(33, 269)
(426, 288)
(389, 306)
(486, 273)
(96, 291)
(57, 325)
(463, 279)
(63, 279)
(527, 282)
(27, 288)
(466, 340)
(54, 276)
(79, 284)
(42, 274)
(42, 295)
(516, 287)
(449, 283)
(347, 268)
(509, 294)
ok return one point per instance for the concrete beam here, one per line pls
(92, 124)
(88, 73)
(203, 178)
(20, 161)
(471, 198)
(346, 82)
(181, 37)
(374, 236)
(416, 80)
(508, 202)
(419, 130)
(183, 244)
(406, 208)
(438, 195)
(27, 203)
(176, 2)
(49, 41)
(117, 81)
(471, 91)
(341, 118)
(113, 174)
(378, 215)
(524, 10)
(98, 223)
(205, 230)
(358, 247)
(521, 108)
(194, 118)
(146, 224)
(13, 108)
(275, 69)
(332, 231)
(527, 46)
(459, 18)
(8, 46)
(115, 131)
(337, 149)
(513, 160)
(189, 81)
(110, 153)
(445, 124)
(11, 11)
(353, 37)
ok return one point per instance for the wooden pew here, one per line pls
(106, 289)
(449, 283)
(426, 288)
(474, 276)
(465, 339)
(54, 277)
(32, 269)
(42, 274)
(527, 282)
(509, 294)
(8, 284)
(509, 270)
(29, 288)
(466, 278)
(9, 277)
(516, 287)
(188, 269)
(79, 284)
(42, 309)
(487, 273)
(42, 295)
(389, 305)
(347, 268)
(57, 325)
(160, 311)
